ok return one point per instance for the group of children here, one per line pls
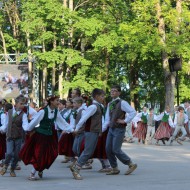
(85, 130)
(171, 126)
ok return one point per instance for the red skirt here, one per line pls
(140, 131)
(2, 146)
(100, 151)
(40, 150)
(65, 145)
(164, 131)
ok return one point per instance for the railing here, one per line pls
(14, 58)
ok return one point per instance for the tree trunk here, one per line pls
(30, 73)
(4, 46)
(44, 80)
(134, 82)
(168, 76)
(11, 8)
(54, 68)
(107, 62)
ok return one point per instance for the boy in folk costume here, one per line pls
(93, 128)
(75, 118)
(164, 130)
(151, 126)
(16, 123)
(141, 119)
(115, 119)
(187, 112)
(41, 149)
(179, 121)
(7, 107)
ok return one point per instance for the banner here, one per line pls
(13, 80)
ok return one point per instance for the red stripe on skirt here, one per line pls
(141, 131)
(164, 131)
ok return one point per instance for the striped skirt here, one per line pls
(140, 131)
(164, 131)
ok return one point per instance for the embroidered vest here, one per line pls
(165, 117)
(46, 124)
(15, 130)
(150, 120)
(144, 118)
(94, 123)
(116, 113)
(180, 120)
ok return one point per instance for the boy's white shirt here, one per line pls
(175, 119)
(90, 111)
(25, 125)
(124, 107)
(72, 119)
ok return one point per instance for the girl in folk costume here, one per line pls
(7, 106)
(151, 126)
(187, 112)
(141, 129)
(65, 143)
(164, 130)
(179, 121)
(41, 149)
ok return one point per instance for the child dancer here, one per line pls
(41, 149)
(151, 126)
(16, 121)
(164, 130)
(141, 119)
(79, 135)
(7, 107)
(93, 127)
(179, 121)
(116, 120)
(65, 143)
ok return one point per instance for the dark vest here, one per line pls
(15, 130)
(77, 119)
(94, 123)
(46, 124)
(116, 113)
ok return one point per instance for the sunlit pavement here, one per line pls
(159, 167)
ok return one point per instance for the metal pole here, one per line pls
(177, 85)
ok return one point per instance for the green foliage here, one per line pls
(102, 42)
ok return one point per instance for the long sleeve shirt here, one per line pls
(159, 117)
(124, 107)
(72, 119)
(25, 125)
(176, 118)
(63, 125)
(90, 111)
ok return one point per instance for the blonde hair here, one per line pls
(78, 100)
